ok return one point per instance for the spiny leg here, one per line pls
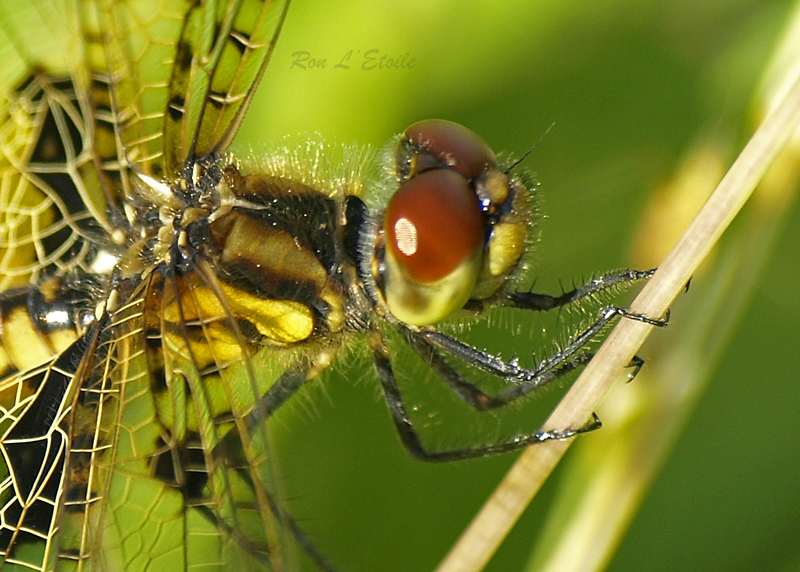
(302, 539)
(279, 393)
(410, 438)
(542, 302)
(526, 380)
(470, 393)
(427, 344)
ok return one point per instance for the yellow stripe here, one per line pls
(22, 341)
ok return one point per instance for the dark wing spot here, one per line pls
(239, 40)
(192, 477)
(183, 56)
(175, 107)
(216, 99)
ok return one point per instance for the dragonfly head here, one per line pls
(455, 228)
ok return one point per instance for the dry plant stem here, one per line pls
(490, 526)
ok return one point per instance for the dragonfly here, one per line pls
(161, 299)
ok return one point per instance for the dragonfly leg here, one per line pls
(430, 345)
(278, 394)
(543, 302)
(411, 439)
(473, 395)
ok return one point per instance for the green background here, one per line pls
(630, 86)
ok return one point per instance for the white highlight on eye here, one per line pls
(405, 234)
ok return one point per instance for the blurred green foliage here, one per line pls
(630, 86)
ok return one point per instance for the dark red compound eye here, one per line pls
(449, 144)
(434, 224)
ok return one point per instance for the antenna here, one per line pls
(529, 151)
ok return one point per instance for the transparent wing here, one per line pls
(36, 438)
(178, 451)
(143, 445)
(53, 199)
(95, 90)
(180, 73)
(222, 53)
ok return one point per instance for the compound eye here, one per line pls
(433, 225)
(436, 143)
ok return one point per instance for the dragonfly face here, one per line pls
(161, 299)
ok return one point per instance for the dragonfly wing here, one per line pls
(38, 436)
(187, 480)
(142, 444)
(53, 200)
(222, 52)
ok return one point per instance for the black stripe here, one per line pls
(183, 56)
(40, 415)
(309, 218)
(250, 278)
